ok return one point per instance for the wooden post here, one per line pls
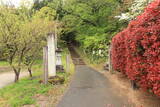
(110, 59)
(67, 63)
(45, 63)
(51, 55)
(134, 85)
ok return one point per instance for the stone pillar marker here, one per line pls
(51, 55)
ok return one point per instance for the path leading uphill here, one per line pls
(90, 88)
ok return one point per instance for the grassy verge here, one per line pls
(64, 54)
(21, 93)
(4, 63)
(25, 91)
(58, 91)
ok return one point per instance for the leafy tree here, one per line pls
(37, 40)
(87, 23)
(11, 39)
(46, 13)
(21, 37)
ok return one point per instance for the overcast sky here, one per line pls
(15, 2)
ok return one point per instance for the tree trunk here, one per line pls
(30, 72)
(134, 85)
(16, 76)
(17, 73)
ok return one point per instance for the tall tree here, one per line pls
(21, 37)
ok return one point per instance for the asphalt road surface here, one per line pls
(90, 88)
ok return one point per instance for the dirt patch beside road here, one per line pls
(5, 69)
(122, 83)
(8, 78)
(140, 97)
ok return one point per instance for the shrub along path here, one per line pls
(89, 88)
(8, 78)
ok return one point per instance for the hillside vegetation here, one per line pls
(89, 24)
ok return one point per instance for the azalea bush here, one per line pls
(136, 50)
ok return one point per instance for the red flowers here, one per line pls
(136, 50)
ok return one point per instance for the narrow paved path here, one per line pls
(90, 88)
(7, 78)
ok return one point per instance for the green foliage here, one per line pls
(22, 93)
(91, 24)
(3, 63)
(72, 66)
(88, 22)
(46, 13)
(23, 35)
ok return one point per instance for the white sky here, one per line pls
(16, 2)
